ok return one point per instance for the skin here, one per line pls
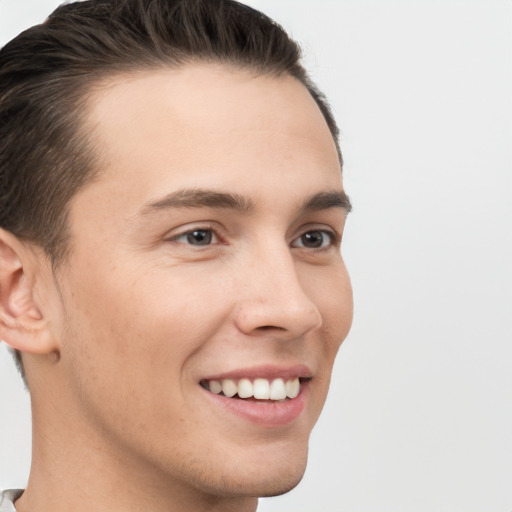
(119, 339)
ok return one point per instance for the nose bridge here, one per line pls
(274, 296)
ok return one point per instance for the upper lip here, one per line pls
(265, 372)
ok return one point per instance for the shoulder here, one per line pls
(7, 499)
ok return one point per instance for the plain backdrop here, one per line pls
(419, 417)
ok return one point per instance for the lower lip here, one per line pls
(264, 413)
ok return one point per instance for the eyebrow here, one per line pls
(327, 200)
(197, 198)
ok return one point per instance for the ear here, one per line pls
(22, 325)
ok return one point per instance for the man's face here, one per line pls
(205, 254)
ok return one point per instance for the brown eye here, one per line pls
(316, 239)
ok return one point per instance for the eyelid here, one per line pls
(334, 235)
(332, 232)
(184, 231)
(331, 235)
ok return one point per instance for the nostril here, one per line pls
(277, 317)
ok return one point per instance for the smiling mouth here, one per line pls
(260, 389)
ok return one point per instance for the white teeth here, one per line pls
(277, 390)
(229, 387)
(245, 388)
(215, 386)
(292, 388)
(261, 389)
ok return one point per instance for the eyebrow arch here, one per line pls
(197, 198)
(326, 200)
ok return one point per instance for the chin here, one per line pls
(255, 473)
(269, 478)
(271, 485)
(283, 486)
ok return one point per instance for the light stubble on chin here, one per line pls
(228, 486)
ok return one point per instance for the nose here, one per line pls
(273, 302)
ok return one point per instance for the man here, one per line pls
(170, 271)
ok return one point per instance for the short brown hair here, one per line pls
(47, 71)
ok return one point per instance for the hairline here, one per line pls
(84, 129)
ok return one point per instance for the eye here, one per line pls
(316, 239)
(197, 237)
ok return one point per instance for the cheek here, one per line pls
(129, 347)
(153, 320)
(332, 294)
(341, 311)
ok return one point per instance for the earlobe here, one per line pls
(22, 324)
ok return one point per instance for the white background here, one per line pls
(420, 413)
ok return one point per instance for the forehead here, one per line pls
(209, 126)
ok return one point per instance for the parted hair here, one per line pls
(47, 71)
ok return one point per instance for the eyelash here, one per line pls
(189, 232)
(330, 235)
(333, 238)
